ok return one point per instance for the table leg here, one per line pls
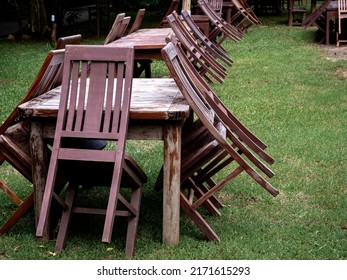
(39, 159)
(172, 170)
(327, 29)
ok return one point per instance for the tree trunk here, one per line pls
(39, 25)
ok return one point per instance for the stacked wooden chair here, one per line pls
(217, 141)
(118, 28)
(341, 18)
(200, 37)
(15, 132)
(221, 29)
(95, 105)
(243, 16)
(206, 64)
(143, 65)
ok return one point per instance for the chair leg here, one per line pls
(65, 218)
(196, 217)
(133, 223)
(19, 213)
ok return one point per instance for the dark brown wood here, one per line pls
(144, 65)
(173, 7)
(138, 21)
(204, 41)
(220, 25)
(100, 114)
(294, 12)
(155, 104)
(208, 66)
(146, 42)
(68, 40)
(115, 31)
(341, 17)
(236, 155)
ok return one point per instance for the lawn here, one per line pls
(288, 93)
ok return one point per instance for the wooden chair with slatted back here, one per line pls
(94, 105)
(208, 66)
(237, 156)
(15, 133)
(114, 32)
(222, 29)
(341, 18)
(296, 13)
(68, 40)
(203, 40)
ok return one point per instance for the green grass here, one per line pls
(286, 91)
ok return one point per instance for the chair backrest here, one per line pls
(209, 66)
(241, 10)
(209, 117)
(173, 7)
(48, 77)
(225, 114)
(219, 23)
(138, 21)
(94, 105)
(96, 90)
(115, 29)
(210, 46)
(68, 40)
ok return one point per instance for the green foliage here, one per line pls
(286, 91)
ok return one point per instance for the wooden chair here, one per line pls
(212, 117)
(95, 105)
(68, 40)
(221, 27)
(117, 30)
(249, 10)
(15, 133)
(241, 17)
(296, 13)
(138, 21)
(143, 65)
(206, 64)
(211, 47)
(341, 15)
(173, 7)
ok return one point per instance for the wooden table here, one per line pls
(146, 42)
(158, 112)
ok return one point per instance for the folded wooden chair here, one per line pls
(341, 17)
(15, 133)
(143, 65)
(241, 17)
(118, 28)
(221, 29)
(235, 155)
(95, 105)
(249, 10)
(206, 64)
(203, 40)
